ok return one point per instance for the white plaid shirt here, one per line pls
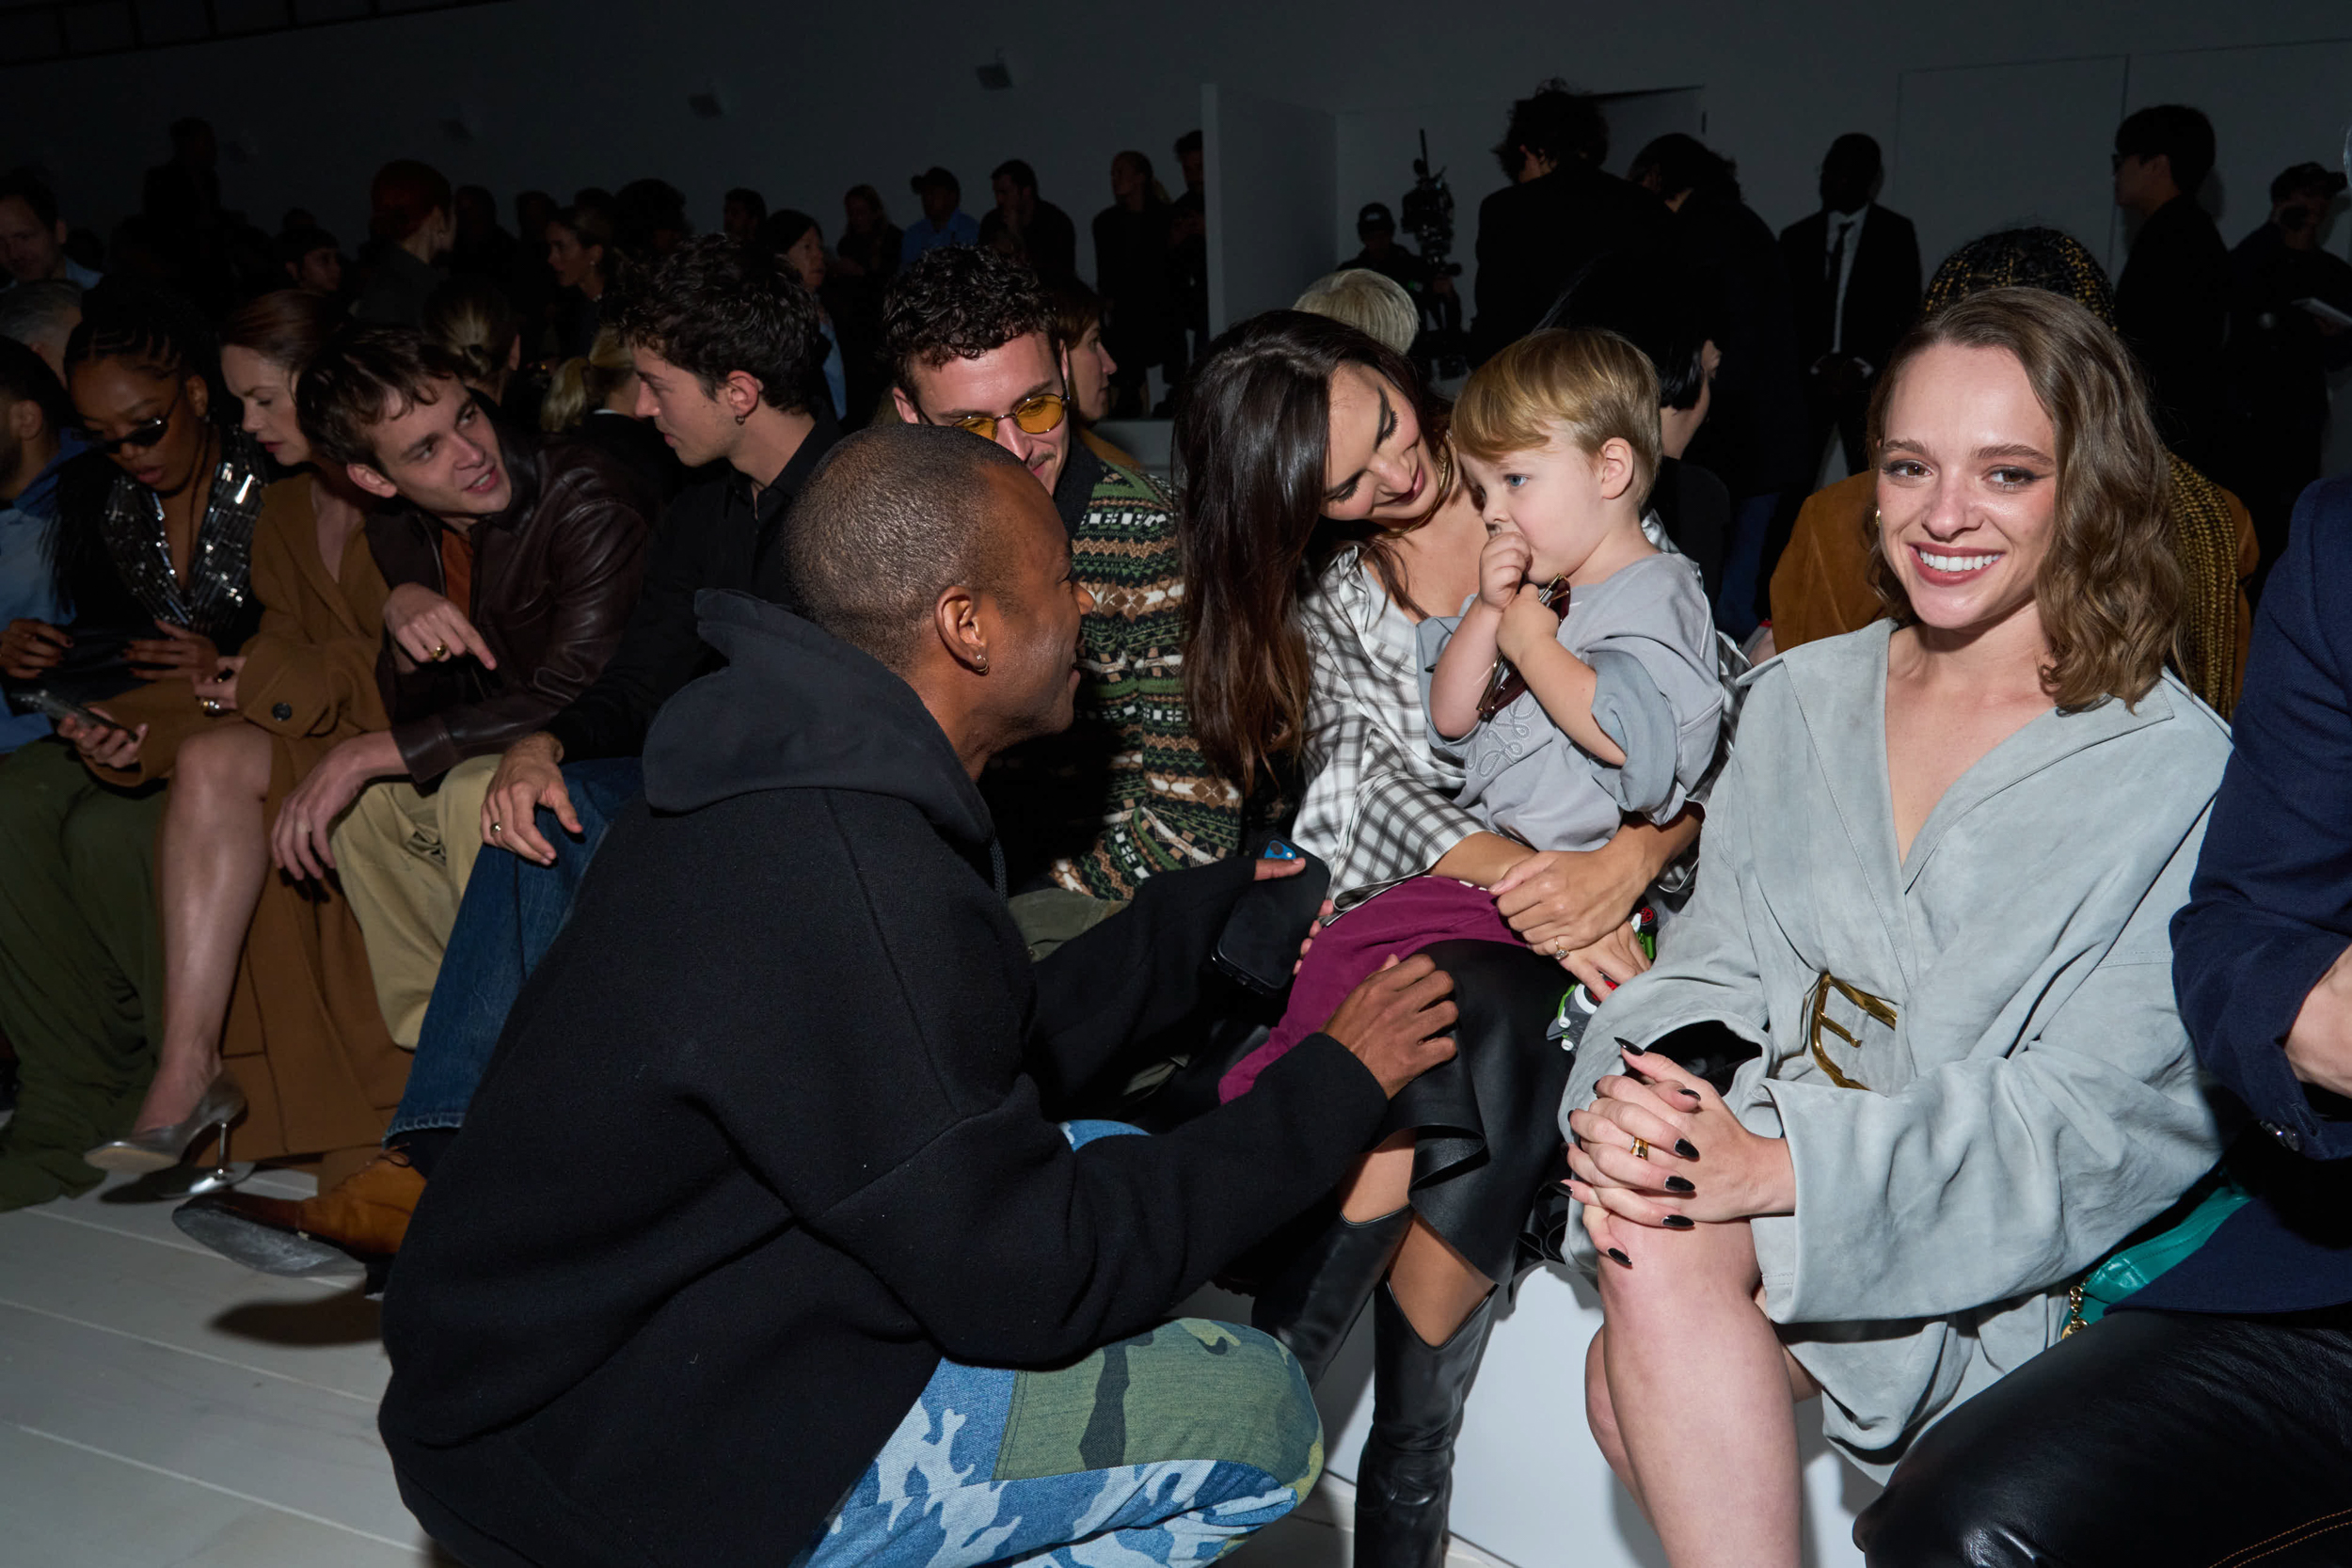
(1379, 805)
(1380, 802)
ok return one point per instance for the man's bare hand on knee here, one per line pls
(529, 776)
(1396, 1020)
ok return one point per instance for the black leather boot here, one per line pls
(1405, 1480)
(1317, 1296)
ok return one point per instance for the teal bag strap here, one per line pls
(2137, 1264)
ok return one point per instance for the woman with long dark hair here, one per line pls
(1325, 517)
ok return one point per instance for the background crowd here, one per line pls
(344, 587)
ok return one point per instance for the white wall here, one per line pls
(1271, 169)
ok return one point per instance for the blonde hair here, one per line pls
(470, 320)
(1593, 385)
(580, 385)
(1373, 303)
(2111, 587)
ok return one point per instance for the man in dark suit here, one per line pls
(1562, 213)
(1853, 283)
(2173, 303)
(2201, 1420)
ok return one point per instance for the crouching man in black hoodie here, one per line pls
(756, 1247)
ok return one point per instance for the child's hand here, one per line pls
(1502, 566)
(1528, 623)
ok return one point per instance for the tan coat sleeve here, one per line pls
(307, 672)
(1822, 587)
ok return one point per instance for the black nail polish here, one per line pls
(1677, 1184)
(1620, 1258)
(1679, 1222)
(1685, 1148)
(1693, 1094)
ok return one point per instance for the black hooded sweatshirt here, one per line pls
(761, 1142)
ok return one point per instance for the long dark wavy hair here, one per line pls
(1252, 427)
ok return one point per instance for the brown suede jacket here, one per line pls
(555, 576)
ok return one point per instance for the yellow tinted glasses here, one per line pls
(1035, 416)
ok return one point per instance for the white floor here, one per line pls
(162, 1407)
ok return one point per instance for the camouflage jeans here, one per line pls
(1173, 1446)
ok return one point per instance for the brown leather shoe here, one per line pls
(360, 1219)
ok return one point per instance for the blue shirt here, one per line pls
(961, 228)
(28, 591)
(836, 382)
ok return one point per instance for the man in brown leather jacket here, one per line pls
(514, 568)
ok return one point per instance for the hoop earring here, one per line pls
(743, 415)
(979, 665)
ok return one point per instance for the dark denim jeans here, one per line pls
(512, 911)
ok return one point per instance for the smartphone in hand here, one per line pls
(1260, 943)
(55, 709)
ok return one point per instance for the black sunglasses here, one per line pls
(144, 436)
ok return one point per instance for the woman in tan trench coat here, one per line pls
(268, 996)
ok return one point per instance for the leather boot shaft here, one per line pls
(1405, 1480)
(1316, 1298)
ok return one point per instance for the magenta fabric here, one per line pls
(1403, 920)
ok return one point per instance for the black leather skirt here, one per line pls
(1487, 1155)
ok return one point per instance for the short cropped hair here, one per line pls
(2172, 131)
(34, 192)
(404, 195)
(1590, 386)
(33, 312)
(2111, 589)
(893, 517)
(364, 377)
(1024, 178)
(1371, 302)
(716, 306)
(25, 377)
(959, 301)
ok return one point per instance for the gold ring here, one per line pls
(1641, 1149)
(1560, 950)
(440, 650)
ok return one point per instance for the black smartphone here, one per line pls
(1261, 940)
(57, 707)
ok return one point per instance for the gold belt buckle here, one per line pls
(1877, 1008)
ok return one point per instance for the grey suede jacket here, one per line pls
(2036, 1100)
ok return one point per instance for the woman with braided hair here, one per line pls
(151, 554)
(266, 994)
(1822, 587)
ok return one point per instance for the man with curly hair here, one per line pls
(726, 349)
(1087, 816)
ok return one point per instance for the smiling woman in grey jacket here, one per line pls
(1934, 896)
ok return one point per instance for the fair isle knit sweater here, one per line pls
(1124, 792)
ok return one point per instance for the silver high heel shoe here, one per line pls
(162, 1147)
